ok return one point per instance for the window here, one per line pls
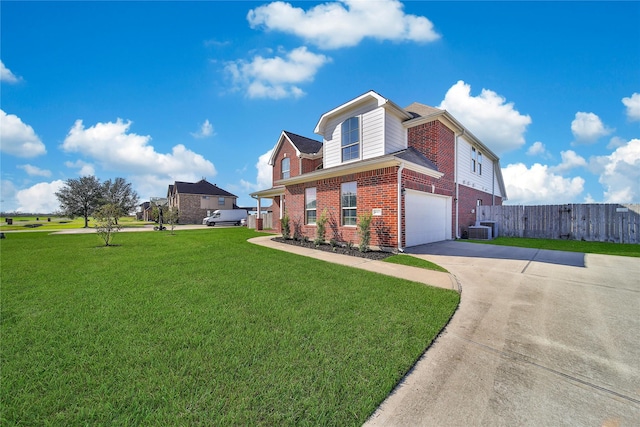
(348, 203)
(286, 168)
(221, 201)
(474, 159)
(351, 139)
(310, 205)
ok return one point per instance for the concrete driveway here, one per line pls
(541, 338)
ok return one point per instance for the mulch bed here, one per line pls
(338, 249)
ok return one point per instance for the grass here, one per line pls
(415, 262)
(200, 328)
(42, 223)
(603, 248)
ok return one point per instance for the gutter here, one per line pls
(455, 162)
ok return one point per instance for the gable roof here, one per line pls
(201, 187)
(362, 99)
(304, 144)
(305, 147)
(420, 110)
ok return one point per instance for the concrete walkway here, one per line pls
(415, 274)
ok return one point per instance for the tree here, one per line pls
(120, 194)
(106, 217)
(80, 197)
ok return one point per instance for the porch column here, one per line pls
(259, 217)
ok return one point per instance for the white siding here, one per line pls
(332, 136)
(466, 176)
(395, 134)
(372, 134)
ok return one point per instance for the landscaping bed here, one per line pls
(336, 248)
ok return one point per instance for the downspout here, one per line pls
(400, 249)
(455, 162)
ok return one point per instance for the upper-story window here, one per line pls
(221, 201)
(351, 139)
(476, 161)
(286, 168)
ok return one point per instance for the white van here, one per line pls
(226, 216)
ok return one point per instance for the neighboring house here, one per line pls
(417, 170)
(143, 213)
(197, 200)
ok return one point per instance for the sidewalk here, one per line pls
(414, 274)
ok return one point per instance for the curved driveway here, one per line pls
(540, 338)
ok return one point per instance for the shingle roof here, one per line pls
(414, 156)
(304, 144)
(201, 187)
(420, 110)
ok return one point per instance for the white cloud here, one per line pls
(539, 185)
(616, 142)
(570, 160)
(587, 127)
(39, 198)
(264, 176)
(18, 138)
(34, 170)
(205, 131)
(6, 75)
(488, 116)
(7, 196)
(620, 173)
(633, 106)
(345, 23)
(84, 168)
(114, 148)
(276, 77)
(537, 149)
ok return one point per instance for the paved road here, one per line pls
(541, 338)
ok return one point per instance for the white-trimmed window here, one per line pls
(310, 205)
(351, 139)
(286, 168)
(348, 203)
(476, 161)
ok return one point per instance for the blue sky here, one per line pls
(161, 91)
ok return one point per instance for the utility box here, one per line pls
(479, 232)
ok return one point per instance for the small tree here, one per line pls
(321, 227)
(107, 222)
(170, 216)
(119, 193)
(364, 231)
(284, 226)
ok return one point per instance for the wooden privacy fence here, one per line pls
(267, 221)
(618, 223)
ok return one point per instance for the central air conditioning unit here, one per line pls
(479, 232)
(493, 225)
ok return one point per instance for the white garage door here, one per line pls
(427, 218)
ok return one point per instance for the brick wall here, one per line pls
(192, 209)
(375, 189)
(294, 164)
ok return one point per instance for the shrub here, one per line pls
(107, 222)
(321, 227)
(364, 231)
(284, 226)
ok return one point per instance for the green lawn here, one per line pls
(50, 223)
(200, 328)
(567, 245)
(414, 262)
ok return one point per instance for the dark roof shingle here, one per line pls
(304, 144)
(201, 187)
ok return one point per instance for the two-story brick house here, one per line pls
(417, 170)
(196, 200)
